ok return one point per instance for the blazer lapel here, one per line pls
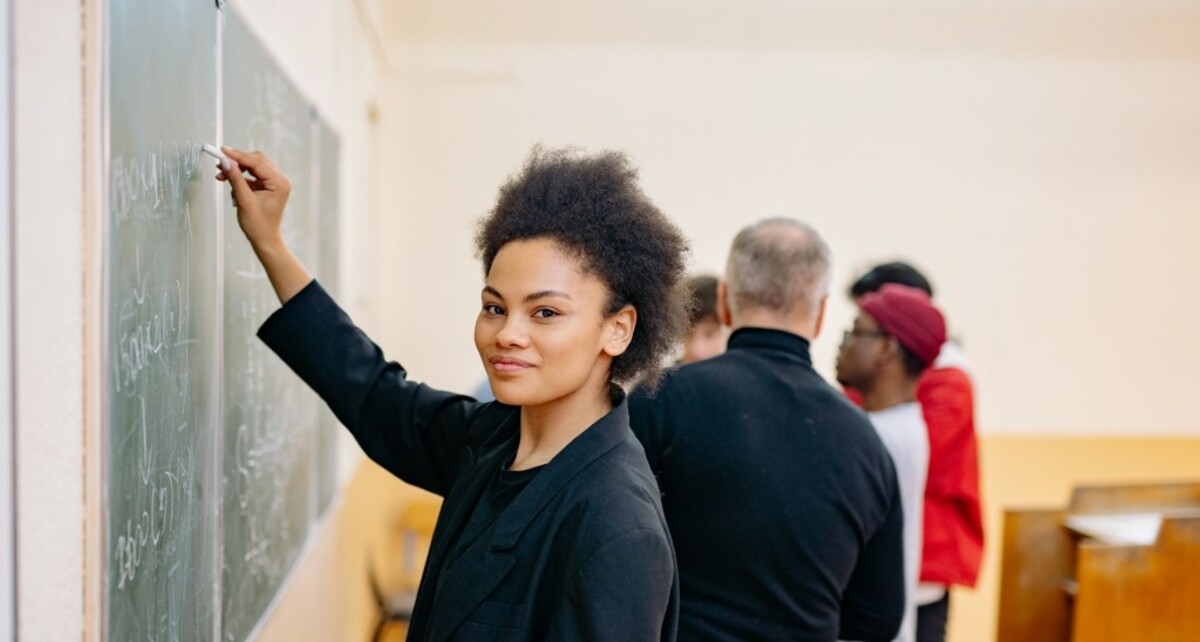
(456, 510)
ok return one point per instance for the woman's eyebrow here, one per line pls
(540, 294)
(546, 294)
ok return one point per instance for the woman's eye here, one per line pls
(544, 313)
(492, 308)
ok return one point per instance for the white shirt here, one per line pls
(902, 430)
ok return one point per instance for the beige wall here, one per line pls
(1039, 161)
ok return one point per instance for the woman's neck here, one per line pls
(547, 428)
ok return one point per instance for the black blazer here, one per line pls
(582, 553)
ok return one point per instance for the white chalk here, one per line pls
(216, 153)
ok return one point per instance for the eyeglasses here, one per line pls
(862, 333)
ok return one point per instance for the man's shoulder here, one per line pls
(730, 381)
(725, 369)
(680, 377)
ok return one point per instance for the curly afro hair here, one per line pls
(593, 206)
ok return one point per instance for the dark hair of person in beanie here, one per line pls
(893, 272)
(913, 366)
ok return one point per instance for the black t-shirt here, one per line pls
(503, 488)
(501, 491)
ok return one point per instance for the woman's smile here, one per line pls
(509, 365)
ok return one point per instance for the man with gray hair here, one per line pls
(782, 502)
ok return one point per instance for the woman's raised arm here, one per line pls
(260, 201)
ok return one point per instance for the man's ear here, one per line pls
(889, 349)
(619, 331)
(820, 317)
(724, 315)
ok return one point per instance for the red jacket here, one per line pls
(953, 527)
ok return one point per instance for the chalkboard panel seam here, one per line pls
(219, 329)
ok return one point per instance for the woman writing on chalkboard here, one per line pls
(551, 526)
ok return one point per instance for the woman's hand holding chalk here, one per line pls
(260, 197)
(212, 150)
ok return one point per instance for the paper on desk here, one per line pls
(1117, 528)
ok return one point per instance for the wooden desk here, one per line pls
(1127, 569)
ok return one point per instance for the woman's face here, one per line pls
(542, 333)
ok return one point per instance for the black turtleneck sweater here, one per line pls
(782, 501)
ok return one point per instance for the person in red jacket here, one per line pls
(953, 524)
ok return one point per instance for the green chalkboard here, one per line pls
(219, 462)
(270, 416)
(162, 346)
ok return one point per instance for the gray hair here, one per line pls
(778, 265)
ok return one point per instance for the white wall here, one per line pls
(8, 522)
(48, 235)
(1038, 161)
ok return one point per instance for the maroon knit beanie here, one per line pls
(909, 315)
